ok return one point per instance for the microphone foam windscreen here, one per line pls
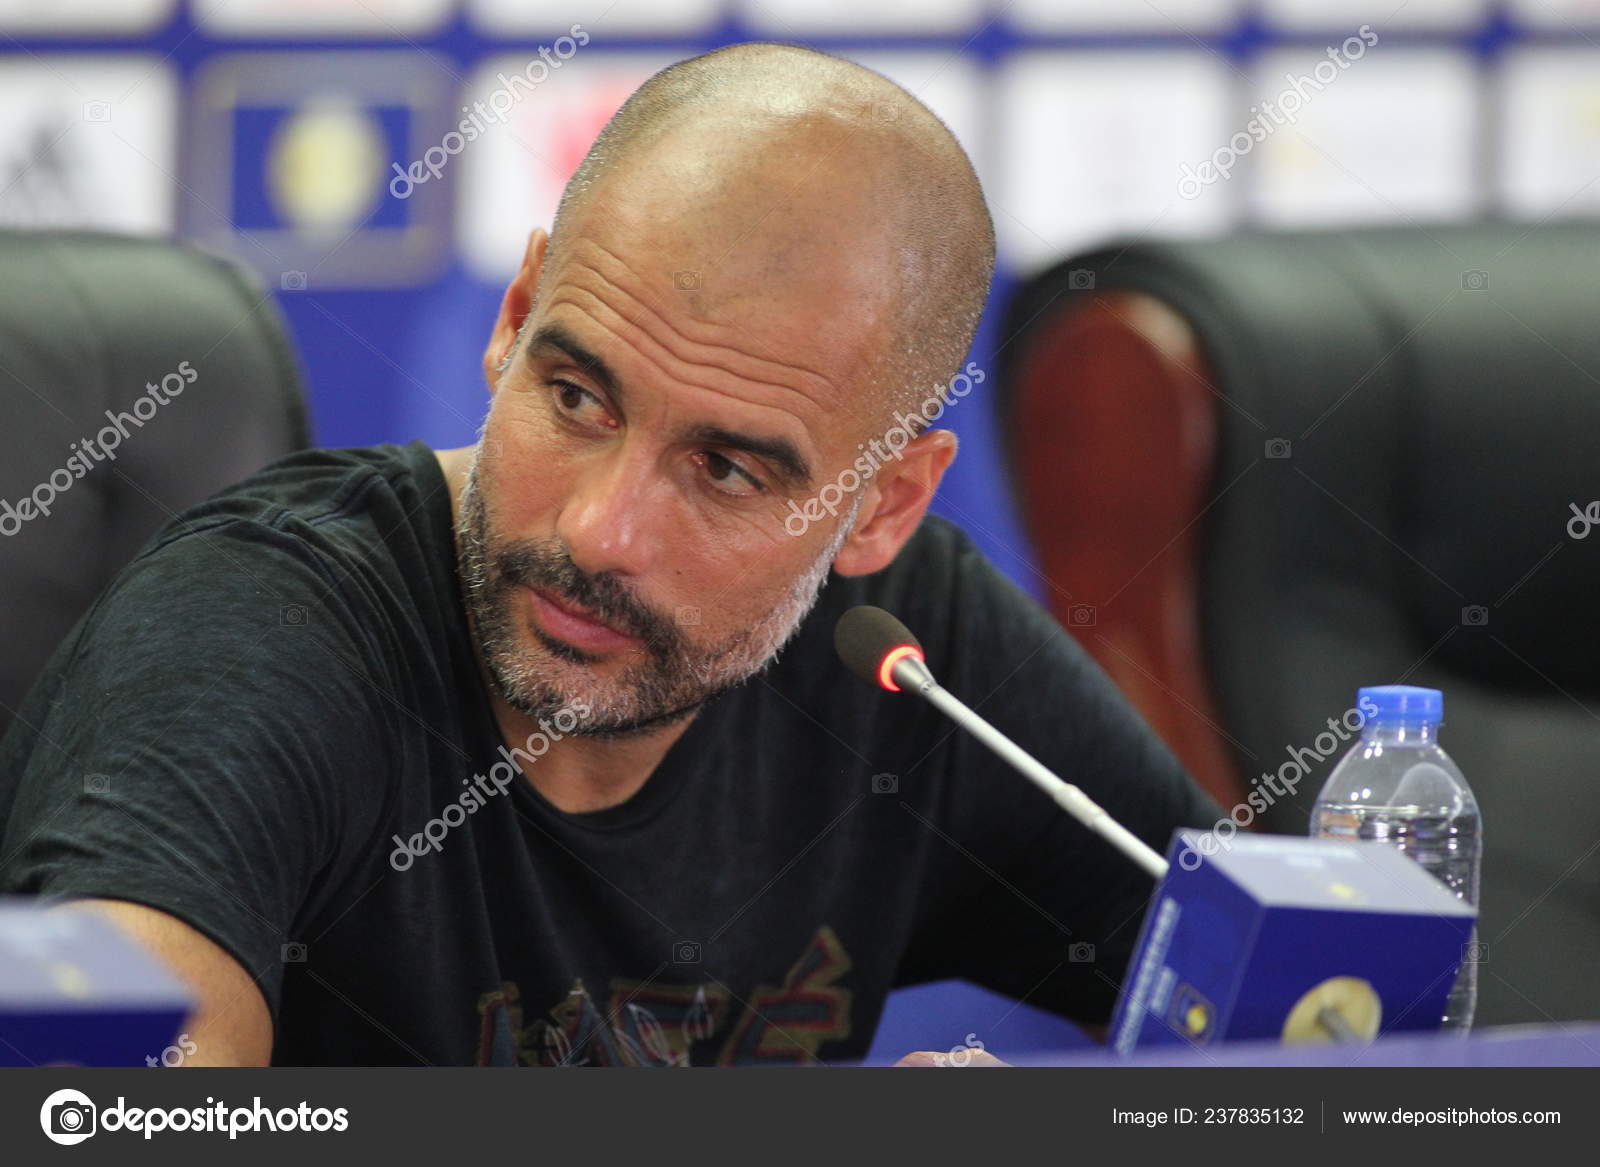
(864, 636)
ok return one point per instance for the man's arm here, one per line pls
(230, 1025)
(194, 766)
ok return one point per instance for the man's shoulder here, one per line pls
(314, 487)
(938, 580)
(359, 533)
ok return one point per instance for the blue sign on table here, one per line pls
(1282, 938)
(74, 990)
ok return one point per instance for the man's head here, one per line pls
(767, 254)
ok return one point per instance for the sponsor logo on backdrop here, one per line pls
(74, 127)
(302, 144)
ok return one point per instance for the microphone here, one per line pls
(1265, 937)
(881, 651)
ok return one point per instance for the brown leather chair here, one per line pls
(1265, 470)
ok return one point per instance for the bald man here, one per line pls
(490, 756)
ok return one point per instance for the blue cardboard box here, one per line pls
(1282, 938)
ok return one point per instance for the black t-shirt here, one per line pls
(263, 725)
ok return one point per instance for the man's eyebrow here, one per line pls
(786, 458)
(781, 452)
(557, 337)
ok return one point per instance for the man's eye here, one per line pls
(573, 397)
(727, 475)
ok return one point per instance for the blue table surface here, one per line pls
(1562, 1044)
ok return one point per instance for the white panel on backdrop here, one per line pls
(1113, 16)
(83, 17)
(1550, 132)
(790, 19)
(1337, 15)
(1092, 144)
(1556, 15)
(513, 175)
(297, 18)
(1392, 137)
(88, 141)
(948, 83)
(602, 18)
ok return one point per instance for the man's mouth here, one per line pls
(561, 620)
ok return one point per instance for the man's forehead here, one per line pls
(684, 306)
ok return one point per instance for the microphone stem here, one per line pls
(1335, 1026)
(914, 675)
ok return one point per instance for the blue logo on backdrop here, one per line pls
(295, 151)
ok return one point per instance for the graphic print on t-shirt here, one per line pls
(651, 1024)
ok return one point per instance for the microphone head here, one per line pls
(870, 642)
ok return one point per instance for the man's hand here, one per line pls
(961, 1056)
(230, 1025)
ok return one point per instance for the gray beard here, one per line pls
(671, 681)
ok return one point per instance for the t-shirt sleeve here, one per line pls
(1034, 905)
(205, 735)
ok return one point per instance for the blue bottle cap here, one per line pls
(1401, 703)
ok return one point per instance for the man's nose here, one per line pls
(610, 519)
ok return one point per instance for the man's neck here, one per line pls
(579, 774)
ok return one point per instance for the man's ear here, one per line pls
(895, 504)
(515, 306)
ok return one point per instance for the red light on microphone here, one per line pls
(893, 657)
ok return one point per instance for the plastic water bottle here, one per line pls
(1397, 786)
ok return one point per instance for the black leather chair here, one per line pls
(86, 321)
(1275, 467)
